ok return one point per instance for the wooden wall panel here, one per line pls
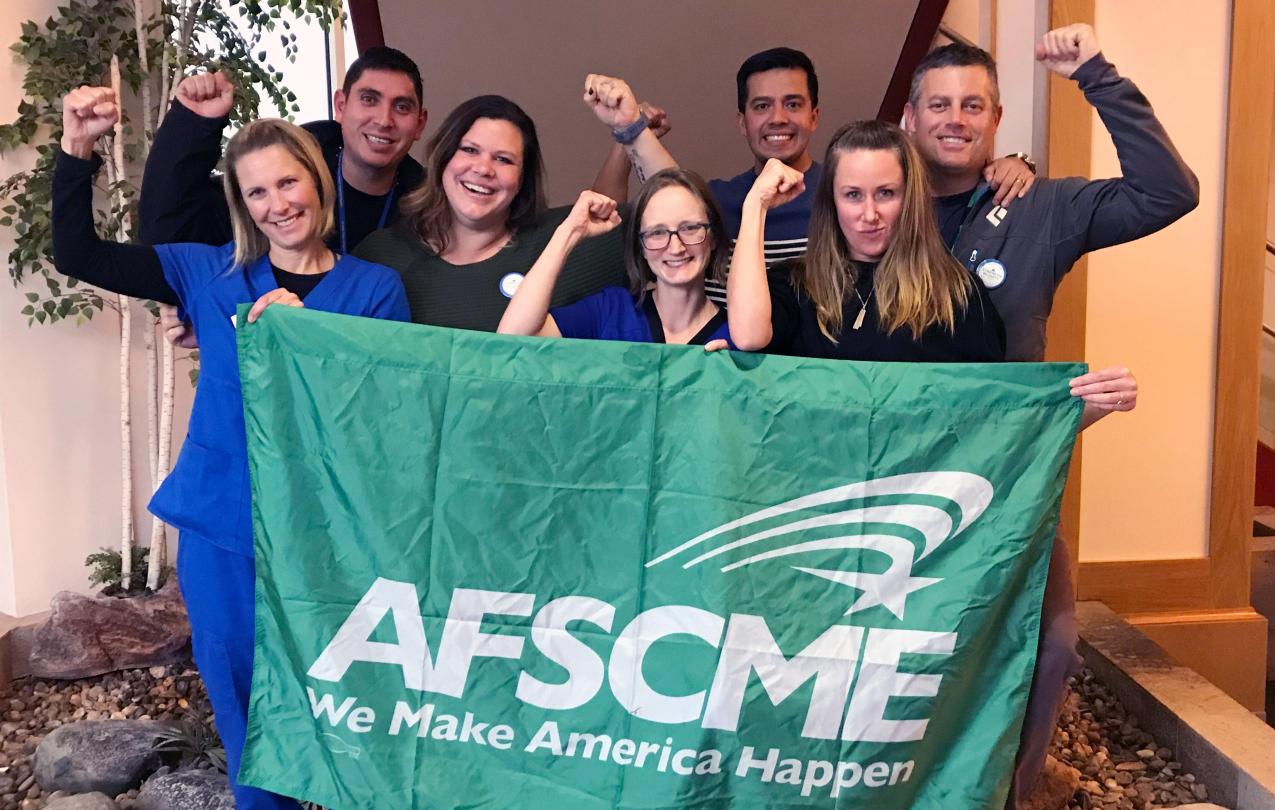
(1070, 147)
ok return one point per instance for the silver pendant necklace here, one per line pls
(863, 307)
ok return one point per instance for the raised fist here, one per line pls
(87, 112)
(777, 184)
(656, 119)
(207, 94)
(592, 215)
(611, 100)
(1062, 50)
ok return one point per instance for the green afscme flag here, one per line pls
(498, 572)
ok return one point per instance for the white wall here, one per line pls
(1153, 303)
(59, 445)
(1023, 85)
(971, 19)
(59, 400)
(304, 76)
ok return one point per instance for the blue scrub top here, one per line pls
(612, 314)
(207, 492)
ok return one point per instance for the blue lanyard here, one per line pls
(340, 202)
(976, 196)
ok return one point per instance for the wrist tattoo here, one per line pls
(637, 164)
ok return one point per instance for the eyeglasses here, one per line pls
(692, 233)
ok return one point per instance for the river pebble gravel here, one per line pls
(1121, 766)
(31, 708)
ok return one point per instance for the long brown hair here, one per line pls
(250, 243)
(427, 208)
(640, 273)
(918, 284)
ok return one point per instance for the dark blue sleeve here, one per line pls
(180, 200)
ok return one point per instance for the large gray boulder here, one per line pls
(90, 635)
(187, 790)
(106, 756)
(82, 801)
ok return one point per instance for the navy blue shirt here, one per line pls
(612, 314)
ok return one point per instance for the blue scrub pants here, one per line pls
(218, 588)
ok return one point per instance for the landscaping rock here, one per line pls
(82, 801)
(187, 790)
(109, 756)
(1121, 766)
(1054, 789)
(87, 635)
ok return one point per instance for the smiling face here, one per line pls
(867, 188)
(953, 121)
(677, 264)
(484, 173)
(380, 119)
(280, 195)
(778, 117)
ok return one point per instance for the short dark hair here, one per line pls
(955, 55)
(381, 57)
(776, 59)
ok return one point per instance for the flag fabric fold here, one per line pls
(501, 572)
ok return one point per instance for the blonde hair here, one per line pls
(250, 243)
(917, 283)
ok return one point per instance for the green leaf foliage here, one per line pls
(74, 47)
(104, 570)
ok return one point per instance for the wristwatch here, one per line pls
(629, 134)
(1024, 157)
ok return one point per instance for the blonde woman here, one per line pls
(281, 206)
(876, 282)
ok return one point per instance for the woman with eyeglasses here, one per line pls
(672, 242)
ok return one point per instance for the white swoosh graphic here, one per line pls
(970, 493)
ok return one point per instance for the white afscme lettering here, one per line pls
(461, 641)
(748, 648)
(880, 679)
(549, 634)
(628, 684)
(410, 653)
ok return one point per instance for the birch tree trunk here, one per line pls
(158, 429)
(116, 175)
(159, 540)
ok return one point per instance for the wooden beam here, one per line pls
(1070, 155)
(1146, 586)
(365, 19)
(925, 24)
(1251, 98)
